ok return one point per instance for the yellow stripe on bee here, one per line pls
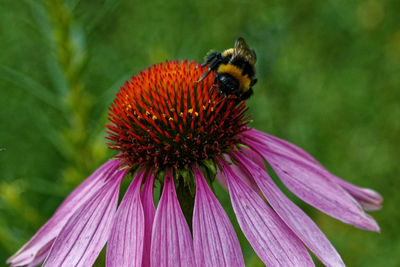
(236, 72)
(227, 52)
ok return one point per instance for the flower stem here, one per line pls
(186, 200)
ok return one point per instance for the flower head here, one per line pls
(164, 118)
(169, 127)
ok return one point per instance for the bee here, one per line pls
(234, 70)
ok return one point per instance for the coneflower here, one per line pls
(168, 127)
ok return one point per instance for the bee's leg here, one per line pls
(205, 74)
(222, 99)
(213, 61)
(236, 91)
(216, 62)
(246, 95)
(213, 86)
(253, 82)
(211, 57)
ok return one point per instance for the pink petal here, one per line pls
(49, 231)
(171, 243)
(292, 215)
(125, 245)
(221, 179)
(149, 213)
(311, 184)
(279, 145)
(40, 256)
(215, 241)
(254, 157)
(369, 199)
(247, 179)
(272, 240)
(84, 235)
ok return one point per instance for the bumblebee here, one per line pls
(234, 70)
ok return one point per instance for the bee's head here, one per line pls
(227, 84)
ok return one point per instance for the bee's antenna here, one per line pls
(220, 101)
(211, 89)
(205, 74)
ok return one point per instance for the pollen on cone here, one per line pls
(163, 117)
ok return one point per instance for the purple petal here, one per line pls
(254, 157)
(171, 243)
(40, 256)
(292, 215)
(149, 213)
(49, 231)
(215, 241)
(221, 179)
(369, 199)
(247, 179)
(272, 240)
(84, 235)
(312, 184)
(280, 145)
(125, 245)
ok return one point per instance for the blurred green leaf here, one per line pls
(328, 81)
(30, 86)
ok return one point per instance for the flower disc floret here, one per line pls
(163, 117)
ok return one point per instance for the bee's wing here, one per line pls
(243, 50)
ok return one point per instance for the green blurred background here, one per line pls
(329, 76)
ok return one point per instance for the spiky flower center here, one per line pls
(164, 118)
